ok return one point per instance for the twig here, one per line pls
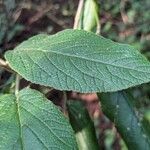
(78, 14)
(5, 65)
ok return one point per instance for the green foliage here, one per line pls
(82, 125)
(120, 110)
(80, 61)
(136, 28)
(29, 121)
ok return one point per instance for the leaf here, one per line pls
(118, 108)
(31, 122)
(80, 61)
(83, 126)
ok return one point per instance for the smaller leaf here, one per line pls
(83, 126)
(31, 122)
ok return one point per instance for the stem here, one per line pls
(17, 84)
(5, 65)
(78, 14)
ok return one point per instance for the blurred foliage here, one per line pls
(9, 11)
(30, 17)
(127, 21)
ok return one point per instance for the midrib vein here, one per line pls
(20, 127)
(87, 59)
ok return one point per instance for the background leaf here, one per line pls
(80, 61)
(30, 121)
(119, 109)
(83, 126)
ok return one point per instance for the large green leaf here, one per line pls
(82, 125)
(31, 122)
(80, 61)
(118, 108)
